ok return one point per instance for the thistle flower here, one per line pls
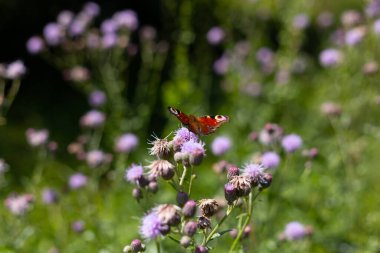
(15, 70)
(160, 147)
(350, 18)
(220, 145)
(91, 8)
(330, 57)
(254, 172)
(181, 136)
(242, 184)
(301, 21)
(215, 35)
(270, 160)
(161, 168)
(148, 33)
(92, 119)
(153, 186)
(355, 35)
(108, 26)
(195, 150)
(247, 231)
(208, 207)
(35, 45)
(230, 193)
(150, 226)
(137, 194)
(37, 138)
(270, 134)
(373, 8)
(49, 196)
(325, 19)
(331, 109)
(97, 98)
(53, 34)
(370, 68)
(134, 173)
(77, 181)
(109, 40)
(18, 204)
(77, 74)
(232, 171)
(291, 143)
(65, 17)
(221, 65)
(78, 226)
(127, 19)
(190, 228)
(295, 230)
(137, 246)
(77, 27)
(95, 158)
(126, 143)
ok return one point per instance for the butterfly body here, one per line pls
(199, 125)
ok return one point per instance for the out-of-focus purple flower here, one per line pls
(376, 27)
(220, 145)
(95, 158)
(127, 19)
(330, 57)
(78, 226)
(109, 40)
(242, 48)
(18, 204)
(270, 134)
(35, 45)
(37, 138)
(221, 65)
(93, 40)
(92, 119)
(92, 9)
(77, 180)
(294, 230)
(350, 18)
(108, 26)
(215, 35)
(301, 21)
(65, 17)
(77, 74)
(15, 70)
(265, 55)
(77, 27)
(97, 98)
(3, 166)
(148, 33)
(373, 8)
(291, 142)
(325, 19)
(126, 143)
(338, 37)
(134, 173)
(253, 171)
(150, 226)
(270, 160)
(355, 36)
(282, 76)
(53, 34)
(331, 109)
(49, 196)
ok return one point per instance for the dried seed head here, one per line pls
(167, 214)
(160, 148)
(242, 184)
(204, 222)
(208, 207)
(161, 168)
(232, 171)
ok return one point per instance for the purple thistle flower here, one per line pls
(77, 27)
(265, 56)
(97, 98)
(93, 40)
(294, 230)
(15, 70)
(37, 138)
(108, 26)
(150, 226)
(65, 17)
(78, 226)
(350, 18)
(291, 143)
(92, 119)
(35, 45)
(301, 21)
(49, 196)
(77, 180)
(373, 8)
(215, 35)
(134, 173)
(53, 34)
(330, 57)
(221, 65)
(127, 19)
(220, 145)
(126, 143)
(270, 160)
(92, 9)
(95, 158)
(18, 204)
(184, 135)
(355, 36)
(376, 27)
(325, 19)
(192, 147)
(109, 40)
(253, 171)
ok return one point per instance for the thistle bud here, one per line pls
(234, 233)
(265, 181)
(178, 157)
(230, 193)
(136, 246)
(189, 208)
(204, 222)
(185, 241)
(137, 193)
(182, 198)
(201, 249)
(232, 171)
(190, 228)
(153, 186)
(247, 231)
(196, 157)
(142, 181)
(164, 229)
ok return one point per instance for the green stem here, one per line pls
(229, 211)
(247, 220)
(183, 176)
(192, 177)
(11, 95)
(158, 246)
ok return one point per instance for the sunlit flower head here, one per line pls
(253, 171)
(35, 45)
(92, 119)
(37, 138)
(215, 35)
(127, 19)
(330, 57)
(270, 160)
(53, 34)
(220, 145)
(95, 158)
(291, 142)
(161, 168)
(77, 181)
(134, 173)
(15, 70)
(295, 230)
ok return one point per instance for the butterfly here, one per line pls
(199, 125)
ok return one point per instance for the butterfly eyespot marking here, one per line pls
(221, 118)
(173, 110)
